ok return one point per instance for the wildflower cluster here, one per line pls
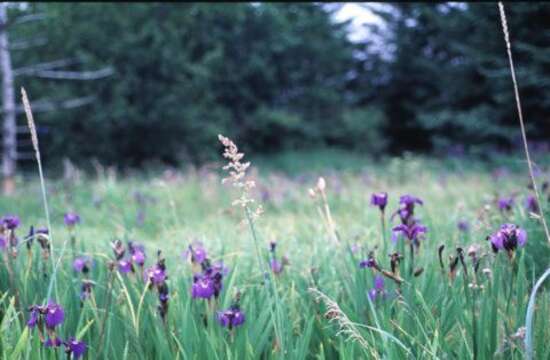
(124, 263)
(48, 318)
(410, 227)
(209, 282)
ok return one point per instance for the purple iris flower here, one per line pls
(54, 315)
(505, 203)
(82, 264)
(531, 204)
(409, 201)
(33, 320)
(196, 253)
(231, 317)
(164, 297)
(276, 266)
(3, 242)
(378, 289)
(125, 266)
(210, 282)
(138, 257)
(43, 231)
(463, 226)
(370, 262)
(155, 275)
(71, 219)
(86, 289)
(411, 232)
(508, 238)
(406, 208)
(203, 287)
(10, 222)
(74, 347)
(137, 251)
(379, 199)
(55, 342)
(218, 266)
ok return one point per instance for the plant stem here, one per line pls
(268, 277)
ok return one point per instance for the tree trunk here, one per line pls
(9, 137)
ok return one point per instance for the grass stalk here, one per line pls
(520, 116)
(34, 138)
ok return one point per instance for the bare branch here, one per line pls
(74, 75)
(28, 18)
(25, 44)
(34, 69)
(45, 105)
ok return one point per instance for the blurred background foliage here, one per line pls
(280, 77)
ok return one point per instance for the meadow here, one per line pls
(164, 265)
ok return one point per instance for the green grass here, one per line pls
(431, 319)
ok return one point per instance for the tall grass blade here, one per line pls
(529, 353)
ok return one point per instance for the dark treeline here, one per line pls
(284, 76)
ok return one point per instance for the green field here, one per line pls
(427, 316)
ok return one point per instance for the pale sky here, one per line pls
(359, 15)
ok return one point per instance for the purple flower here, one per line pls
(370, 262)
(531, 204)
(196, 253)
(505, 203)
(75, 347)
(379, 199)
(219, 267)
(71, 219)
(33, 320)
(118, 249)
(203, 287)
(406, 208)
(508, 238)
(137, 251)
(463, 226)
(55, 342)
(411, 232)
(231, 317)
(378, 289)
(409, 201)
(164, 297)
(138, 257)
(54, 315)
(3, 242)
(86, 289)
(156, 275)
(276, 266)
(82, 264)
(10, 222)
(43, 231)
(125, 266)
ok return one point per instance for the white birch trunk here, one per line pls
(9, 133)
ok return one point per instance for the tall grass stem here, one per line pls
(520, 115)
(34, 138)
